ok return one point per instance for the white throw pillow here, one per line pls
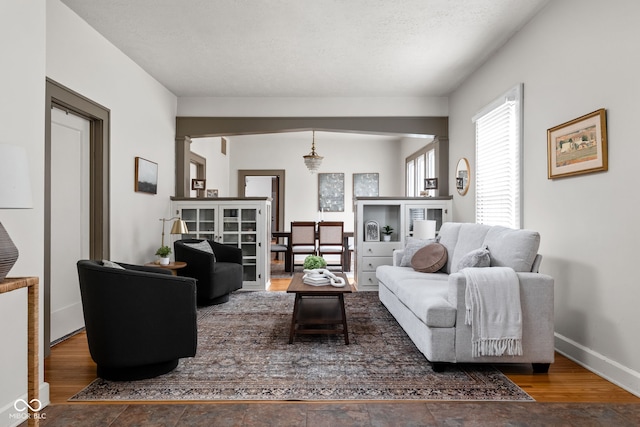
(203, 246)
(476, 258)
(111, 264)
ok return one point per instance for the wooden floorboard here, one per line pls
(69, 369)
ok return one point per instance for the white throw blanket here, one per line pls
(492, 300)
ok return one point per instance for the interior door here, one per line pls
(70, 163)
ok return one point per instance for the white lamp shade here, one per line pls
(424, 229)
(15, 185)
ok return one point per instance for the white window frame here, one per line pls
(418, 166)
(499, 160)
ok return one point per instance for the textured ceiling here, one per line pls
(281, 48)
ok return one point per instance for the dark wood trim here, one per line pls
(183, 158)
(201, 170)
(226, 126)
(99, 223)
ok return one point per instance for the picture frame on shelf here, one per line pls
(146, 176)
(578, 146)
(212, 193)
(198, 184)
(371, 231)
(430, 183)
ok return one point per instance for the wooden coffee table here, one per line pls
(318, 309)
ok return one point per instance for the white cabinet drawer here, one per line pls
(379, 248)
(367, 281)
(370, 263)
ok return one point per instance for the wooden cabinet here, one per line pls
(399, 214)
(241, 222)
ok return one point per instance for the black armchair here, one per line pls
(218, 273)
(139, 320)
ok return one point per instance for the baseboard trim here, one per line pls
(608, 369)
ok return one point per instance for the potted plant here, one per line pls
(163, 252)
(313, 262)
(386, 231)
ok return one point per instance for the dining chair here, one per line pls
(303, 239)
(331, 240)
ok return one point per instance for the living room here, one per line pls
(572, 58)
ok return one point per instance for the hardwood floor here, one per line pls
(568, 395)
(70, 368)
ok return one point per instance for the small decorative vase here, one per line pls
(164, 261)
(386, 237)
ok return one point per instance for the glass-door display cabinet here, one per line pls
(244, 223)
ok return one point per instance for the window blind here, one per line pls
(498, 152)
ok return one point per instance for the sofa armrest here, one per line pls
(226, 253)
(397, 257)
(532, 285)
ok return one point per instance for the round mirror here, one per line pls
(462, 176)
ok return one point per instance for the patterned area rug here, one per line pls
(243, 354)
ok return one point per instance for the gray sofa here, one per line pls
(430, 307)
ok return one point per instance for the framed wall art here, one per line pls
(331, 192)
(366, 185)
(578, 146)
(146, 176)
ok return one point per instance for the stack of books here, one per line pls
(315, 280)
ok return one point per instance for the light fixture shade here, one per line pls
(312, 160)
(179, 227)
(424, 229)
(15, 185)
(15, 193)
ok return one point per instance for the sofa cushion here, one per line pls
(475, 258)
(512, 248)
(111, 264)
(413, 245)
(430, 258)
(393, 277)
(203, 246)
(426, 297)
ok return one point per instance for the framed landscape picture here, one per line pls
(578, 146)
(146, 180)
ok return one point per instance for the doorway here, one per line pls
(69, 181)
(265, 183)
(95, 176)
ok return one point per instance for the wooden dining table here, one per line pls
(346, 258)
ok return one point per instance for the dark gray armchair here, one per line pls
(139, 320)
(218, 273)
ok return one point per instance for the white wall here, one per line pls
(46, 39)
(575, 57)
(142, 124)
(22, 76)
(356, 154)
(217, 163)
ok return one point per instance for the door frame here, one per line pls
(99, 218)
(243, 173)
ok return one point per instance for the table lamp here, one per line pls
(178, 227)
(15, 193)
(424, 229)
